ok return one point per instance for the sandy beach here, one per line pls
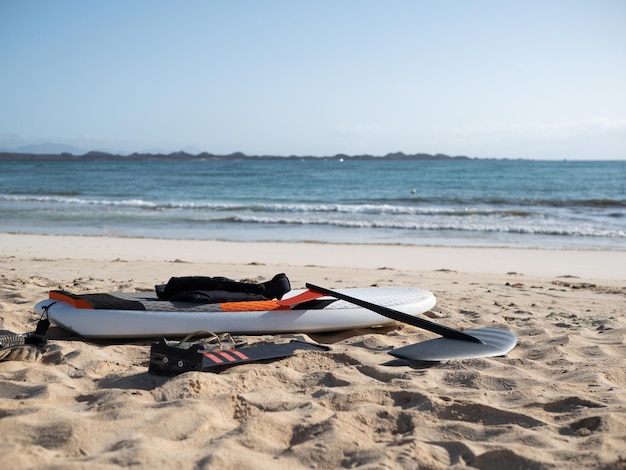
(558, 400)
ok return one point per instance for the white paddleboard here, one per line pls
(160, 320)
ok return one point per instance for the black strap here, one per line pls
(44, 323)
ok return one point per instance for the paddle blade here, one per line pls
(495, 342)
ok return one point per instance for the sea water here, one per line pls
(521, 203)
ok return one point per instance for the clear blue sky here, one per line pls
(517, 79)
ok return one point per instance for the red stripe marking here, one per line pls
(213, 357)
(239, 354)
(228, 357)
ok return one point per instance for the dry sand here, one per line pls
(558, 400)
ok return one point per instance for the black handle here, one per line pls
(442, 330)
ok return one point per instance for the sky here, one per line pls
(539, 79)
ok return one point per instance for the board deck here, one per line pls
(172, 319)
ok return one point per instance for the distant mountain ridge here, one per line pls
(68, 155)
(44, 149)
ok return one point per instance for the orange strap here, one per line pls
(298, 299)
(260, 305)
(252, 306)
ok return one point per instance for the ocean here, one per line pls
(510, 203)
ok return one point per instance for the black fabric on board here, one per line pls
(221, 289)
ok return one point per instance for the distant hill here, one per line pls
(68, 154)
(45, 149)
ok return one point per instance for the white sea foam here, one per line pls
(458, 202)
